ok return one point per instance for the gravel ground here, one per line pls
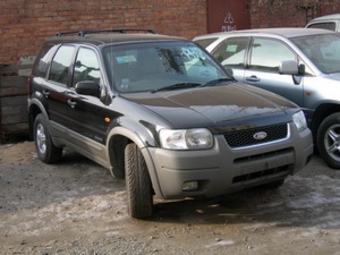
(75, 207)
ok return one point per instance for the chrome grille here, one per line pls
(242, 138)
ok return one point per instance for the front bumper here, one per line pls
(222, 170)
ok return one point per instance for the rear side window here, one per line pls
(232, 51)
(205, 42)
(43, 59)
(61, 63)
(325, 25)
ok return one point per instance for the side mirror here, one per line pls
(89, 88)
(289, 67)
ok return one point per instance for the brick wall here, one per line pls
(289, 13)
(24, 24)
(278, 14)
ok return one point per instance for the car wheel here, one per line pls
(138, 183)
(46, 150)
(328, 140)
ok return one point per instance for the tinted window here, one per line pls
(42, 60)
(231, 52)
(61, 63)
(326, 25)
(86, 66)
(267, 54)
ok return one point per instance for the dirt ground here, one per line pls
(75, 207)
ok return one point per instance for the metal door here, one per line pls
(227, 15)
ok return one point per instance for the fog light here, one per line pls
(190, 186)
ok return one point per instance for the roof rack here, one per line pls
(121, 31)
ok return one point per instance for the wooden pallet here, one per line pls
(13, 107)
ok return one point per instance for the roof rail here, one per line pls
(121, 31)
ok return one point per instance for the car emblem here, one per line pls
(260, 135)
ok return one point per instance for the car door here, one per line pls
(89, 117)
(265, 57)
(56, 88)
(256, 61)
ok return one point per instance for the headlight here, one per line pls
(186, 139)
(300, 120)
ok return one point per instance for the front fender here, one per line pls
(144, 135)
(140, 132)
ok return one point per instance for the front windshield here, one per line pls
(323, 50)
(155, 65)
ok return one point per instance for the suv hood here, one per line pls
(214, 106)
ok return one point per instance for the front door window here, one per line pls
(267, 54)
(86, 67)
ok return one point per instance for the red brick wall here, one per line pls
(25, 23)
(277, 14)
(289, 13)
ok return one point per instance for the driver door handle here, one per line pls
(71, 103)
(46, 93)
(253, 78)
(71, 93)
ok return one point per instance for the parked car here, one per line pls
(330, 22)
(300, 64)
(163, 114)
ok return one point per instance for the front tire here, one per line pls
(46, 150)
(138, 183)
(328, 140)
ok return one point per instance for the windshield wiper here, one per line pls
(177, 86)
(217, 81)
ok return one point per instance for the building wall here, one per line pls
(289, 13)
(24, 24)
(277, 14)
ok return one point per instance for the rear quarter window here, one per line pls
(43, 59)
(205, 42)
(325, 25)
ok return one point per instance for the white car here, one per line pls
(300, 64)
(330, 22)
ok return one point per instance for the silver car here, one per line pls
(331, 22)
(300, 64)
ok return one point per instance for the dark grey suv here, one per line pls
(161, 113)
